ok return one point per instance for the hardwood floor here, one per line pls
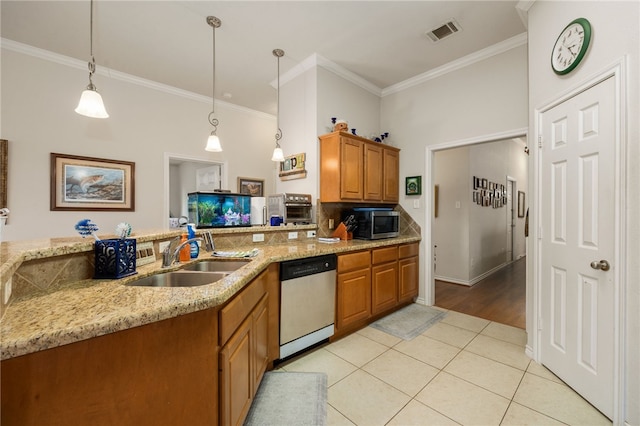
(500, 297)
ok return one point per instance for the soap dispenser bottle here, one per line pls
(185, 255)
(195, 248)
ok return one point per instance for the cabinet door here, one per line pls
(391, 175)
(236, 375)
(354, 297)
(384, 287)
(408, 278)
(351, 170)
(261, 340)
(372, 172)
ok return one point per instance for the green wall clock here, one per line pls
(571, 46)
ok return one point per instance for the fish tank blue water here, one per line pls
(219, 209)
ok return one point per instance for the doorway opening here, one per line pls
(184, 174)
(477, 246)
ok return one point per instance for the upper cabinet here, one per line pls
(355, 169)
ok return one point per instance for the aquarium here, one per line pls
(219, 209)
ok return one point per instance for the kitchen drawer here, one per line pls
(382, 255)
(408, 250)
(352, 261)
(232, 315)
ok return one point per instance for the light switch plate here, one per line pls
(311, 234)
(145, 253)
(258, 238)
(293, 235)
(416, 204)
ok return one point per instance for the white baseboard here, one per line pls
(452, 280)
(474, 280)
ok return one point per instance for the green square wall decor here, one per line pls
(413, 185)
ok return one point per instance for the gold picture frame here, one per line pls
(91, 184)
(251, 186)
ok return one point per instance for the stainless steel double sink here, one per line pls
(193, 275)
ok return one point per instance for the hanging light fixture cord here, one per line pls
(215, 23)
(92, 63)
(278, 53)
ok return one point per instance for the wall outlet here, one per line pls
(258, 238)
(311, 234)
(330, 223)
(7, 291)
(293, 235)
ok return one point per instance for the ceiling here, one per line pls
(169, 42)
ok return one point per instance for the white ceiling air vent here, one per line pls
(444, 30)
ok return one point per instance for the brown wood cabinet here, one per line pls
(384, 279)
(244, 356)
(169, 372)
(373, 161)
(408, 272)
(391, 174)
(355, 169)
(163, 373)
(373, 283)
(353, 295)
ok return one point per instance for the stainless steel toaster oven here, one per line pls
(290, 208)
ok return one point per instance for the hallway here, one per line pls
(500, 297)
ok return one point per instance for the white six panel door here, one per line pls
(577, 219)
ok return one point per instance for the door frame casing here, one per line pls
(514, 189)
(429, 280)
(617, 72)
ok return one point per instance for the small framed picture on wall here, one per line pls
(413, 185)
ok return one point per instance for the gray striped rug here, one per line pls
(290, 398)
(410, 321)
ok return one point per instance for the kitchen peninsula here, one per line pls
(122, 353)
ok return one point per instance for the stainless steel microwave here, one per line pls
(374, 223)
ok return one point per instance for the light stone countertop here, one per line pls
(92, 308)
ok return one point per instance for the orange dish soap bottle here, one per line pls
(185, 251)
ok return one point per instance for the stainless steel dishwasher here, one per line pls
(307, 302)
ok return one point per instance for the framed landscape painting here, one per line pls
(87, 183)
(251, 186)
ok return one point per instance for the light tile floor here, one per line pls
(462, 371)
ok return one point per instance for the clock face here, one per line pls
(571, 46)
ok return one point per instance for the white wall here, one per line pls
(451, 228)
(484, 98)
(495, 161)
(38, 99)
(345, 100)
(471, 239)
(616, 31)
(307, 103)
(298, 123)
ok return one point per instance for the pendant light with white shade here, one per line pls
(213, 143)
(278, 155)
(91, 104)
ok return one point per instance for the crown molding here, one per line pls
(522, 8)
(307, 64)
(317, 60)
(465, 61)
(70, 62)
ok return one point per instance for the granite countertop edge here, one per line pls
(92, 308)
